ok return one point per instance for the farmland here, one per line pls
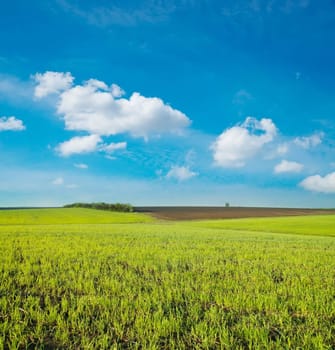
(87, 279)
(200, 213)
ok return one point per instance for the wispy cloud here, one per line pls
(288, 6)
(148, 11)
(180, 173)
(15, 90)
(259, 7)
(72, 186)
(282, 149)
(242, 97)
(80, 165)
(114, 146)
(307, 142)
(58, 181)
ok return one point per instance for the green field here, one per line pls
(68, 216)
(320, 225)
(88, 279)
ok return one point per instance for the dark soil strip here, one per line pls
(197, 213)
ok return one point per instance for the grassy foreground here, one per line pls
(84, 279)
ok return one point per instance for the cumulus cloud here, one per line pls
(286, 166)
(79, 144)
(51, 83)
(239, 143)
(180, 173)
(58, 181)
(98, 109)
(11, 123)
(318, 183)
(93, 108)
(114, 146)
(81, 166)
(116, 91)
(307, 142)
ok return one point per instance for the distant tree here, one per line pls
(227, 205)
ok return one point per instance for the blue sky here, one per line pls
(168, 102)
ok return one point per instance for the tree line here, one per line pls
(122, 207)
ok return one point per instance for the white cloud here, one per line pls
(88, 144)
(180, 173)
(307, 142)
(318, 183)
(235, 145)
(79, 144)
(286, 166)
(81, 166)
(117, 91)
(99, 109)
(114, 146)
(58, 181)
(52, 83)
(11, 123)
(92, 107)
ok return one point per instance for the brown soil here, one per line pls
(197, 213)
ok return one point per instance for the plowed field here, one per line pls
(198, 213)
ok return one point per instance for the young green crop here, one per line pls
(69, 284)
(68, 216)
(323, 225)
